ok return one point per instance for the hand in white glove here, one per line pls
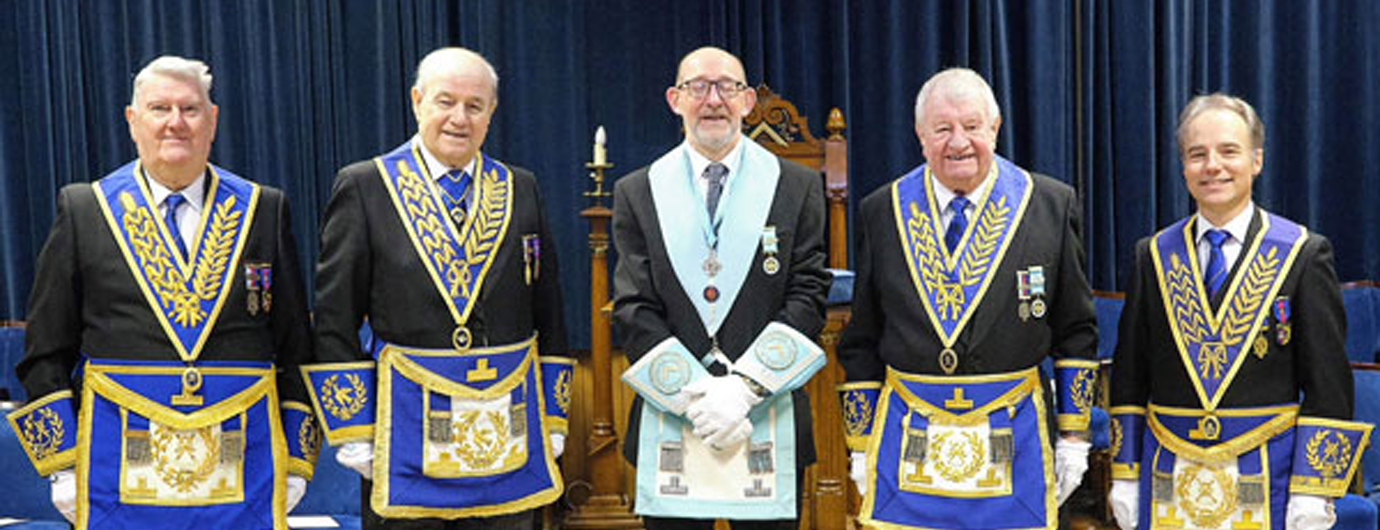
(1125, 501)
(296, 488)
(1309, 512)
(1070, 462)
(722, 402)
(557, 444)
(857, 470)
(729, 438)
(358, 456)
(63, 486)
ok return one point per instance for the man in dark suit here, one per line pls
(720, 280)
(1230, 386)
(169, 274)
(970, 273)
(449, 255)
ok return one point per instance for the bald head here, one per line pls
(453, 61)
(700, 59)
(712, 97)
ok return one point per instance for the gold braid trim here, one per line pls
(1225, 450)
(215, 250)
(984, 242)
(156, 261)
(1246, 303)
(1183, 293)
(976, 416)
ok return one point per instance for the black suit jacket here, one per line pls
(85, 300)
(1148, 369)
(889, 326)
(369, 268)
(650, 306)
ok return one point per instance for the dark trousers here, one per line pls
(523, 520)
(673, 523)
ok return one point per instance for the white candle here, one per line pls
(600, 156)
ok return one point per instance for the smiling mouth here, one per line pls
(960, 158)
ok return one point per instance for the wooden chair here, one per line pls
(776, 124)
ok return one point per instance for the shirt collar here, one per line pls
(434, 166)
(699, 162)
(942, 194)
(1237, 226)
(195, 192)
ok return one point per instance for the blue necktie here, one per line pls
(958, 224)
(170, 219)
(1216, 271)
(715, 174)
(455, 186)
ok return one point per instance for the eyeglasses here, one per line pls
(699, 88)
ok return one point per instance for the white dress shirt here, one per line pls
(438, 170)
(188, 215)
(1231, 248)
(943, 196)
(699, 162)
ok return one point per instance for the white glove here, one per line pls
(296, 488)
(718, 403)
(1070, 462)
(557, 444)
(730, 438)
(1309, 512)
(1125, 501)
(63, 486)
(358, 456)
(857, 470)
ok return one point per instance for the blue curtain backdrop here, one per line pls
(1089, 91)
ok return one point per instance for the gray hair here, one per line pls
(1220, 101)
(179, 68)
(444, 60)
(957, 82)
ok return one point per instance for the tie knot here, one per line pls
(715, 173)
(1217, 237)
(456, 175)
(959, 204)
(174, 200)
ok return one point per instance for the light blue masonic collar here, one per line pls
(687, 231)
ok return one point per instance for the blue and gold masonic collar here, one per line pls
(456, 257)
(1212, 343)
(186, 296)
(952, 285)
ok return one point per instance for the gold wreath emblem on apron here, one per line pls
(183, 459)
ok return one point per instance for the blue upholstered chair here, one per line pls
(1367, 381)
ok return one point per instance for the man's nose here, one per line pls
(959, 138)
(713, 97)
(177, 119)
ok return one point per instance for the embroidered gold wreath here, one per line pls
(929, 260)
(478, 242)
(857, 413)
(1206, 495)
(480, 445)
(562, 391)
(181, 303)
(309, 439)
(1081, 391)
(183, 459)
(1330, 457)
(1114, 437)
(959, 456)
(343, 402)
(43, 432)
(1241, 312)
